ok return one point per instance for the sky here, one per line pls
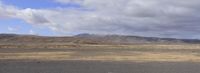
(151, 18)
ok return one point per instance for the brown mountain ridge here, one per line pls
(92, 39)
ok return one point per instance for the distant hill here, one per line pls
(92, 39)
(122, 39)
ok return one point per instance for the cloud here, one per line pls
(162, 18)
(32, 32)
(12, 29)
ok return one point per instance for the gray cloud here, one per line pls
(162, 18)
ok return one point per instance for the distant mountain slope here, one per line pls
(134, 39)
(91, 39)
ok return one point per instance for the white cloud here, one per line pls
(32, 32)
(164, 18)
(11, 29)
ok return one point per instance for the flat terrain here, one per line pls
(132, 53)
(146, 58)
(97, 67)
(88, 53)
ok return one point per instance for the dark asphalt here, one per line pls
(97, 67)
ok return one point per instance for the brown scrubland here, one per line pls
(98, 48)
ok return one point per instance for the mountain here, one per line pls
(122, 39)
(92, 39)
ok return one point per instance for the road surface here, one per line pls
(97, 67)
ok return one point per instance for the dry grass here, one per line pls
(35, 55)
(112, 53)
(104, 56)
(85, 46)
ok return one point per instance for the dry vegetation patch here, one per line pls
(142, 53)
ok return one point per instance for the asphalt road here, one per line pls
(97, 67)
